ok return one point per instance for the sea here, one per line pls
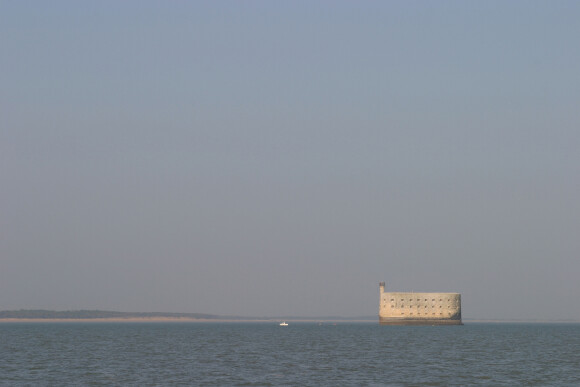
(300, 354)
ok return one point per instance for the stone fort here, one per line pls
(410, 308)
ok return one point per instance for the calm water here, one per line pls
(152, 354)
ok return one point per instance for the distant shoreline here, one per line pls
(103, 316)
(170, 320)
(92, 316)
(158, 319)
(118, 319)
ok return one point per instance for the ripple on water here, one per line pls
(301, 354)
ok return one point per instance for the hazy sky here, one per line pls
(282, 158)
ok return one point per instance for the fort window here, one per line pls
(392, 299)
(433, 299)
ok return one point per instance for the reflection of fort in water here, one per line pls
(404, 308)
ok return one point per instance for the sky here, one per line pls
(264, 158)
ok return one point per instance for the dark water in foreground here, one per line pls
(151, 354)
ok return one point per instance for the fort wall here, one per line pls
(410, 308)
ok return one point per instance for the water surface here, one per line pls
(301, 354)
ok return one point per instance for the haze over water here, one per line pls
(265, 158)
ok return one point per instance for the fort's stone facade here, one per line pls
(398, 308)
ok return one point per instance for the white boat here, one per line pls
(283, 324)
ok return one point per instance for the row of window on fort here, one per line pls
(418, 299)
(418, 306)
(422, 303)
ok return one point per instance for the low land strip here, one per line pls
(27, 315)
